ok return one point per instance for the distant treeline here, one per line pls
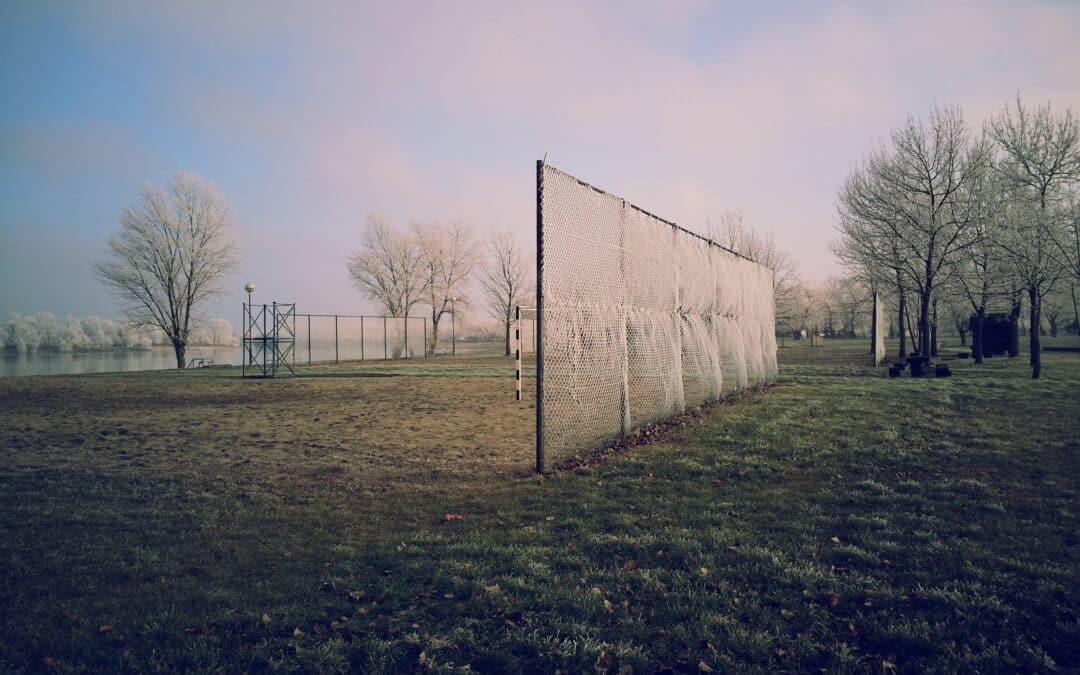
(44, 332)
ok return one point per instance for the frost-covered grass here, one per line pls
(841, 521)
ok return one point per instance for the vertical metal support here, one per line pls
(425, 337)
(336, 353)
(243, 341)
(309, 339)
(517, 353)
(385, 353)
(539, 316)
(406, 336)
(361, 338)
(264, 340)
(624, 337)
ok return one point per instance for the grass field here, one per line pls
(380, 517)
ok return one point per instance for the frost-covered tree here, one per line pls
(171, 254)
(1040, 162)
(449, 254)
(506, 278)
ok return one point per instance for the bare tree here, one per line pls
(734, 233)
(981, 274)
(171, 254)
(912, 200)
(449, 257)
(389, 269)
(1040, 161)
(506, 278)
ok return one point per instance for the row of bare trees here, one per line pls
(435, 267)
(942, 213)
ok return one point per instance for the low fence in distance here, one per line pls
(332, 338)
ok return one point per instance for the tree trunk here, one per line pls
(874, 328)
(903, 330)
(1053, 321)
(1036, 345)
(977, 335)
(180, 346)
(934, 330)
(434, 333)
(507, 340)
(924, 324)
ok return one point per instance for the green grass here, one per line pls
(839, 521)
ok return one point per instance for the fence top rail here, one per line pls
(708, 241)
(363, 316)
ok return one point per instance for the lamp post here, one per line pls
(453, 326)
(250, 288)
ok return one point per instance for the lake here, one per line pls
(163, 358)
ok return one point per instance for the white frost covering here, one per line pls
(640, 319)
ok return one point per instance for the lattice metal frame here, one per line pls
(637, 318)
(269, 340)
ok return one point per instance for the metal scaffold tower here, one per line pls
(269, 339)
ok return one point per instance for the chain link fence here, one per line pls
(332, 338)
(639, 318)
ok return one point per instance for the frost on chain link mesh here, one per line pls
(640, 320)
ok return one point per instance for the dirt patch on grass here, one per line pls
(361, 431)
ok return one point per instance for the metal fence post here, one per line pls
(309, 339)
(336, 354)
(539, 316)
(385, 352)
(361, 338)
(406, 336)
(425, 336)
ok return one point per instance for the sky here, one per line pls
(310, 115)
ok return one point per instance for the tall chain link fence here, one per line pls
(639, 318)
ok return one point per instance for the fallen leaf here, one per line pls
(595, 590)
(105, 628)
(835, 540)
(780, 652)
(266, 618)
(888, 666)
(454, 516)
(704, 571)
(297, 632)
(851, 627)
(787, 614)
(604, 661)
(549, 518)
(494, 590)
(357, 595)
(704, 667)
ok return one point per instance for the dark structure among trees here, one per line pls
(999, 336)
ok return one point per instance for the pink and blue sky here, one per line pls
(310, 115)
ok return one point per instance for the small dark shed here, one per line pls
(999, 335)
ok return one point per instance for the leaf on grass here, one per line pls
(297, 632)
(787, 614)
(549, 518)
(704, 667)
(780, 652)
(704, 571)
(493, 590)
(266, 618)
(608, 606)
(357, 595)
(453, 516)
(105, 628)
(835, 540)
(888, 666)
(604, 661)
